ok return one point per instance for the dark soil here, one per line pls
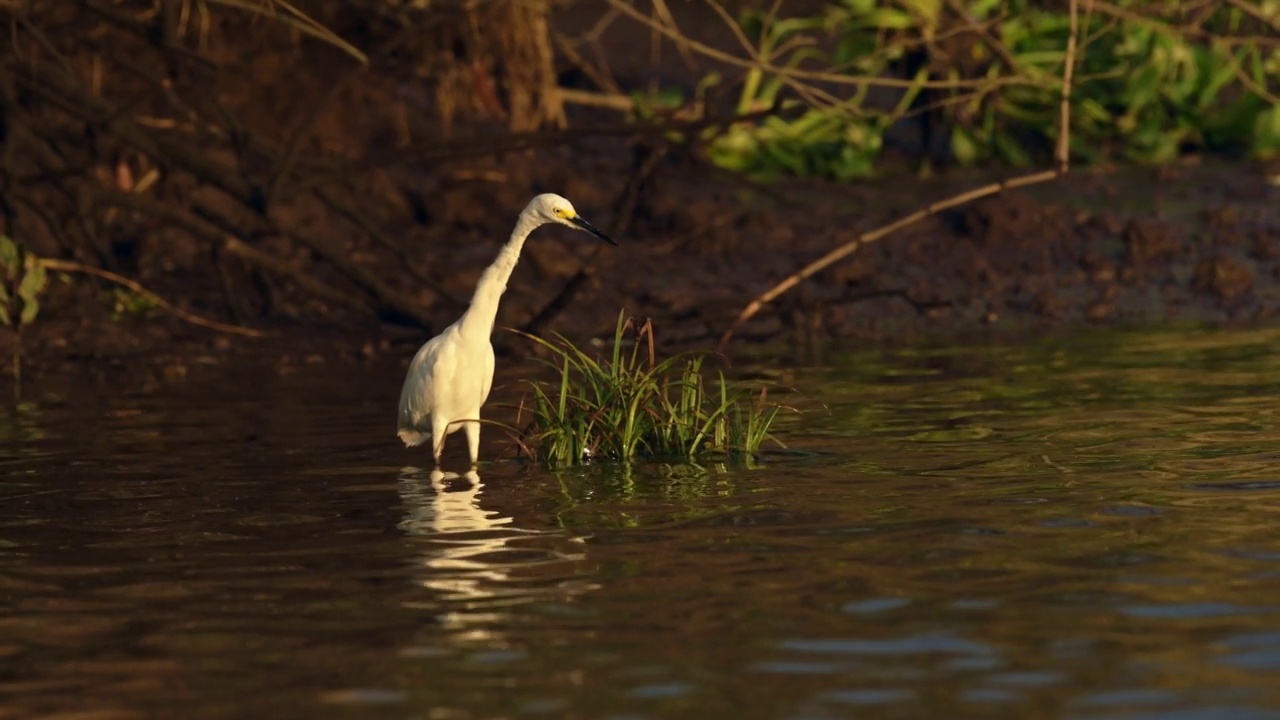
(1194, 243)
(1198, 242)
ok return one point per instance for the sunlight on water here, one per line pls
(480, 566)
(1086, 527)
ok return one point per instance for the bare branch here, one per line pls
(768, 67)
(69, 266)
(1270, 20)
(298, 20)
(1061, 167)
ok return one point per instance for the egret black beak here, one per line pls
(592, 229)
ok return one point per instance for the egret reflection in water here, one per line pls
(479, 562)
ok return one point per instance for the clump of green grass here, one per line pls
(627, 406)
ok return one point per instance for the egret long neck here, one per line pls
(479, 318)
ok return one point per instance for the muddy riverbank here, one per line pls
(1199, 242)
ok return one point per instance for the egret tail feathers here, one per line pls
(413, 437)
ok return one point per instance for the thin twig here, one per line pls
(800, 73)
(366, 224)
(236, 247)
(1062, 155)
(1269, 20)
(66, 93)
(69, 266)
(622, 217)
(1247, 80)
(289, 157)
(612, 101)
(602, 79)
(734, 27)
(661, 9)
(985, 35)
(495, 144)
(1062, 165)
(298, 20)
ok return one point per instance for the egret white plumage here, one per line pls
(450, 377)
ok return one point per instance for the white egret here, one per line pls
(450, 377)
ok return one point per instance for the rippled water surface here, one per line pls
(1084, 528)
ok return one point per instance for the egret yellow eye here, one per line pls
(559, 212)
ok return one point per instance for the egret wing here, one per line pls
(417, 396)
(486, 372)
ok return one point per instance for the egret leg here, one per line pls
(438, 426)
(473, 441)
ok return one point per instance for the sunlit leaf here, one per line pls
(887, 19)
(1144, 86)
(963, 147)
(30, 309)
(1266, 133)
(9, 256)
(926, 10)
(32, 283)
(1012, 150)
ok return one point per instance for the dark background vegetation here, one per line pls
(326, 168)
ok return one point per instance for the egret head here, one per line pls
(551, 208)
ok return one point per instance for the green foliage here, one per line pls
(1144, 92)
(127, 303)
(24, 281)
(1266, 132)
(825, 143)
(629, 406)
(840, 140)
(1148, 86)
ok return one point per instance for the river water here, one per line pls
(1084, 527)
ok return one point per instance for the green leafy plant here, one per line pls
(1145, 91)
(22, 282)
(126, 302)
(839, 140)
(1150, 83)
(629, 406)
